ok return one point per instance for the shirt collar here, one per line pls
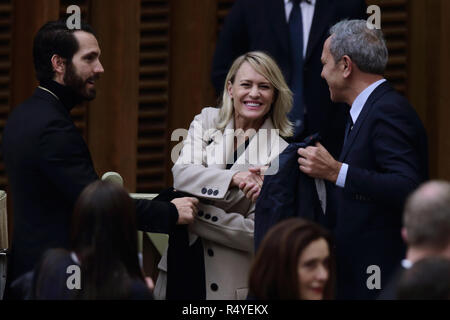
(74, 257)
(361, 99)
(407, 264)
(313, 2)
(68, 97)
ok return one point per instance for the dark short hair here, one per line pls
(273, 274)
(55, 38)
(427, 279)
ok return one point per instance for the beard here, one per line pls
(78, 84)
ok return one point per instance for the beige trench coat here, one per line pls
(227, 223)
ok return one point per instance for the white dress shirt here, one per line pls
(407, 264)
(307, 18)
(355, 110)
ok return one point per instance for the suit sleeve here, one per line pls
(155, 216)
(232, 42)
(227, 228)
(190, 175)
(66, 162)
(397, 158)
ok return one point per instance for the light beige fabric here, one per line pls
(226, 226)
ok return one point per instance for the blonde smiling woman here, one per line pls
(256, 99)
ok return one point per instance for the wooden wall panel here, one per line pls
(5, 73)
(112, 135)
(27, 18)
(193, 37)
(153, 118)
(429, 79)
(394, 24)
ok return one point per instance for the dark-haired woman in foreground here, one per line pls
(103, 247)
(294, 261)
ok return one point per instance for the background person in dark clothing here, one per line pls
(428, 279)
(47, 161)
(426, 229)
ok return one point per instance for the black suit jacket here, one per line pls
(288, 193)
(387, 156)
(48, 164)
(261, 25)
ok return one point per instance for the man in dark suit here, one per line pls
(293, 34)
(47, 161)
(383, 159)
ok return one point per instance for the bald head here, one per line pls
(427, 215)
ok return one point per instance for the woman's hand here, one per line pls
(250, 182)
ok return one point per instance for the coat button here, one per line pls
(214, 219)
(207, 216)
(214, 287)
(216, 192)
(210, 253)
(204, 190)
(200, 213)
(210, 191)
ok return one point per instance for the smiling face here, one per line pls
(331, 72)
(313, 271)
(252, 96)
(85, 67)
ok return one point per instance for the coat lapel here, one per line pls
(323, 15)
(376, 94)
(221, 147)
(259, 149)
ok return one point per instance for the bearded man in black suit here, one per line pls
(48, 163)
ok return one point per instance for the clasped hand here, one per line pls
(250, 182)
(187, 208)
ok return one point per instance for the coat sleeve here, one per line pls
(232, 42)
(231, 229)
(227, 228)
(190, 174)
(399, 168)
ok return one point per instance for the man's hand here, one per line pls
(187, 209)
(149, 282)
(317, 162)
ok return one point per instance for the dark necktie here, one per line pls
(297, 113)
(348, 127)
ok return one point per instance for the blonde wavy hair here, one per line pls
(267, 67)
